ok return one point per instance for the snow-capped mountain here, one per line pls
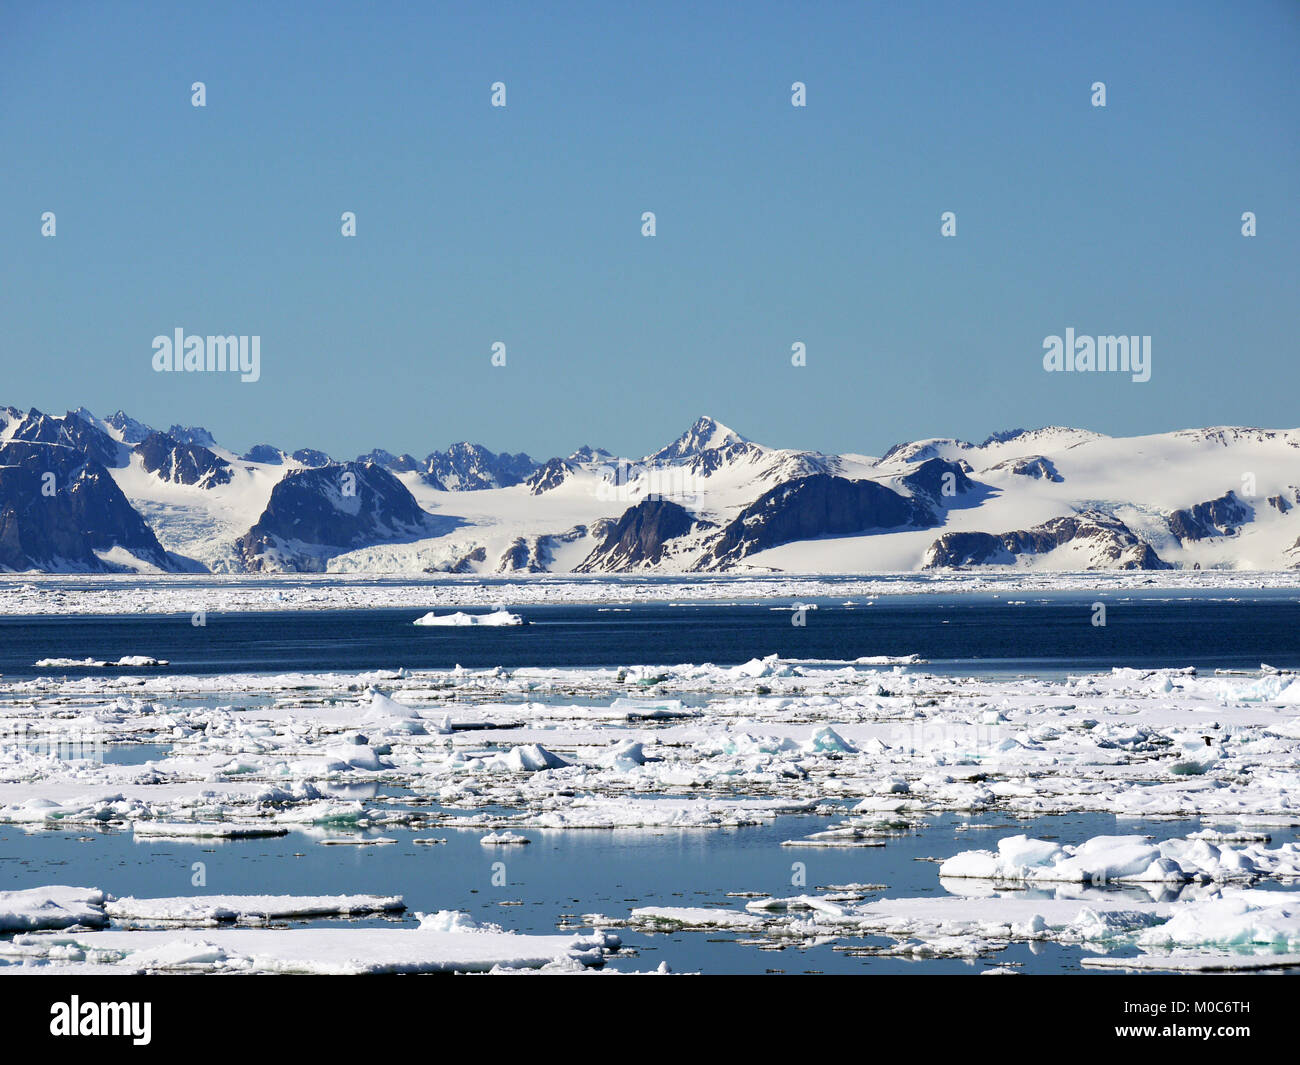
(123, 495)
(318, 512)
(472, 467)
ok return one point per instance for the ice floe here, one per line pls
(1110, 859)
(51, 907)
(460, 618)
(331, 951)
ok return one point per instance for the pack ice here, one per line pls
(861, 749)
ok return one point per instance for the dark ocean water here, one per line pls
(966, 633)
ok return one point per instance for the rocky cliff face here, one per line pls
(468, 467)
(1102, 542)
(640, 537)
(72, 430)
(314, 514)
(549, 475)
(812, 507)
(180, 462)
(1214, 517)
(937, 480)
(62, 511)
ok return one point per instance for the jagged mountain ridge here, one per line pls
(711, 500)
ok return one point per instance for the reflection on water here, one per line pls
(563, 875)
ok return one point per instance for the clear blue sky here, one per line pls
(775, 224)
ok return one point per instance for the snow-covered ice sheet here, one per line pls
(178, 594)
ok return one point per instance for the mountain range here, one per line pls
(80, 493)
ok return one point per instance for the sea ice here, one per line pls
(496, 618)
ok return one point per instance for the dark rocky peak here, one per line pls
(264, 453)
(73, 431)
(60, 510)
(466, 467)
(1107, 541)
(640, 537)
(1039, 467)
(395, 463)
(318, 512)
(192, 434)
(588, 454)
(1215, 517)
(311, 457)
(551, 474)
(811, 507)
(938, 480)
(704, 436)
(132, 431)
(180, 462)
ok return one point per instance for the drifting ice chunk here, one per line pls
(1104, 859)
(391, 716)
(312, 950)
(493, 839)
(771, 666)
(533, 757)
(1237, 918)
(624, 756)
(353, 756)
(694, 917)
(826, 740)
(497, 617)
(452, 921)
(51, 907)
(214, 909)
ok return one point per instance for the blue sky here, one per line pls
(775, 224)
